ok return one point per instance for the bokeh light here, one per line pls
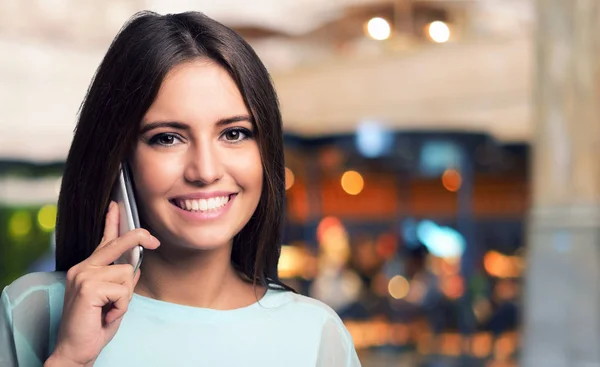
(291, 261)
(47, 217)
(439, 31)
(352, 182)
(441, 241)
(452, 286)
(19, 224)
(398, 287)
(325, 225)
(416, 291)
(501, 266)
(333, 241)
(289, 178)
(373, 139)
(379, 29)
(482, 344)
(452, 180)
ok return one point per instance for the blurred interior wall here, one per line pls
(562, 298)
(475, 86)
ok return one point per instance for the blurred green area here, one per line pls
(26, 230)
(23, 239)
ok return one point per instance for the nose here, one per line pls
(204, 166)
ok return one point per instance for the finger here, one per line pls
(111, 223)
(100, 294)
(119, 307)
(112, 250)
(119, 273)
(115, 296)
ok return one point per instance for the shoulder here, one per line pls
(312, 311)
(335, 346)
(315, 307)
(33, 285)
(30, 310)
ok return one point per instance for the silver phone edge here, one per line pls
(130, 206)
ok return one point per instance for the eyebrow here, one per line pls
(181, 126)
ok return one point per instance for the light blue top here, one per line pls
(283, 329)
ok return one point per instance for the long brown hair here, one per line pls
(123, 88)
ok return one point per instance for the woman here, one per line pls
(187, 104)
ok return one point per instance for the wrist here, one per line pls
(55, 361)
(58, 360)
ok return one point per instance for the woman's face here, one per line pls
(197, 165)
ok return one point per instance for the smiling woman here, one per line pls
(188, 106)
(199, 177)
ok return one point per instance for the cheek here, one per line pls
(248, 170)
(152, 174)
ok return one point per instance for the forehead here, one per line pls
(197, 92)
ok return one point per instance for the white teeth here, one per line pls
(203, 205)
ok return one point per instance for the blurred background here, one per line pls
(442, 194)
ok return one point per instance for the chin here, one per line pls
(202, 241)
(205, 245)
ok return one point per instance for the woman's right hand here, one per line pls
(97, 295)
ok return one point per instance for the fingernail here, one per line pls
(156, 241)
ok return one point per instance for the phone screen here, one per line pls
(123, 195)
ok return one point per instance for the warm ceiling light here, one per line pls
(439, 31)
(352, 182)
(379, 29)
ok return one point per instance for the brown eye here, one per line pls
(236, 135)
(232, 135)
(164, 140)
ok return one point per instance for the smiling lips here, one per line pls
(203, 205)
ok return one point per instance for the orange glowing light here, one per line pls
(352, 182)
(452, 180)
(502, 266)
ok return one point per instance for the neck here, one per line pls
(200, 278)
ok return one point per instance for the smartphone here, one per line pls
(123, 195)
